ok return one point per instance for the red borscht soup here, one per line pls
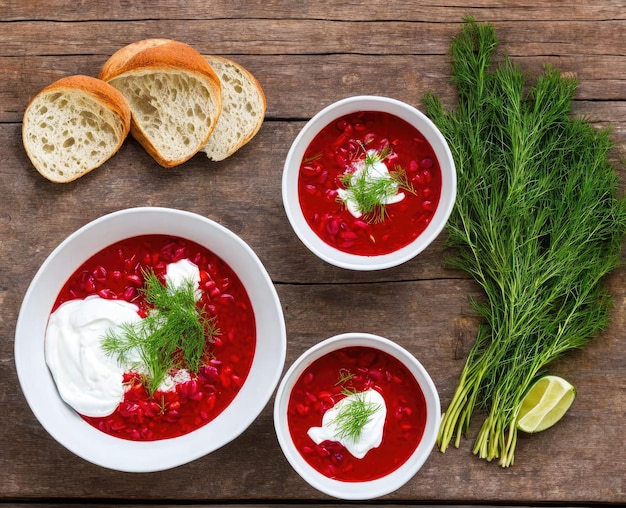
(332, 168)
(349, 370)
(117, 272)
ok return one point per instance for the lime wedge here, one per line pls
(545, 404)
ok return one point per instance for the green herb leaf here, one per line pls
(175, 334)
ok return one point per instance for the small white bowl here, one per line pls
(64, 424)
(292, 168)
(366, 489)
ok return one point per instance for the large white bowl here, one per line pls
(292, 167)
(367, 489)
(64, 424)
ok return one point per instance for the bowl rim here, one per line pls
(290, 182)
(66, 426)
(356, 491)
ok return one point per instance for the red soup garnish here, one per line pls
(335, 154)
(117, 272)
(357, 369)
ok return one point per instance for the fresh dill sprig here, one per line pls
(175, 334)
(537, 223)
(344, 376)
(354, 415)
(372, 193)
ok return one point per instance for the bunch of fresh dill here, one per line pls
(537, 223)
(175, 334)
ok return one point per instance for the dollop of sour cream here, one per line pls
(88, 379)
(373, 172)
(371, 434)
(181, 272)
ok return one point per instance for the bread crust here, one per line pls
(102, 93)
(117, 60)
(112, 98)
(261, 96)
(163, 55)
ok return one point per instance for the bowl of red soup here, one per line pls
(357, 416)
(149, 338)
(368, 183)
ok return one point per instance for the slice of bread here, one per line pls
(73, 126)
(243, 109)
(174, 96)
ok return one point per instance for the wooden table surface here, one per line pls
(306, 55)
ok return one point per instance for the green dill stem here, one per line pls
(344, 376)
(452, 422)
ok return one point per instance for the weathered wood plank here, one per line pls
(307, 37)
(348, 10)
(286, 80)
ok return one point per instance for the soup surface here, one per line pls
(357, 369)
(337, 152)
(117, 272)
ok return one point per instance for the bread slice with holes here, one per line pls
(73, 126)
(174, 96)
(243, 109)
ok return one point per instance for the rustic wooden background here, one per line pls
(306, 55)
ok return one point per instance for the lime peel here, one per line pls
(545, 403)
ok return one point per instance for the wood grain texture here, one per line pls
(348, 10)
(305, 56)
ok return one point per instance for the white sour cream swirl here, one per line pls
(87, 378)
(372, 433)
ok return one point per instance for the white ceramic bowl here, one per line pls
(64, 424)
(292, 167)
(366, 489)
